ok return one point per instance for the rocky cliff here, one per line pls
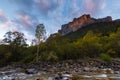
(80, 22)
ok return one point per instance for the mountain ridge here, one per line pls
(99, 29)
(81, 22)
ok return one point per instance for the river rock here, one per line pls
(86, 69)
(30, 71)
(60, 76)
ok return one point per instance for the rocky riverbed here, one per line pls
(90, 69)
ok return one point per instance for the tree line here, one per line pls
(58, 48)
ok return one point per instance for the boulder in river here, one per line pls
(60, 76)
(30, 71)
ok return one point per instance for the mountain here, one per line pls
(81, 22)
(80, 26)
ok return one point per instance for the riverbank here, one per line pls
(86, 67)
(72, 65)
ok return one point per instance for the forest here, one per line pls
(58, 48)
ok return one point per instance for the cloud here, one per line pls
(26, 20)
(4, 21)
(3, 18)
(23, 23)
(93, 7)
(44, 6)
(54, 12)
(80, 7)
(27, 24)
(23, 4)
(5, 24)
(56, 9)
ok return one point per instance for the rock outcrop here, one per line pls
(80, 22)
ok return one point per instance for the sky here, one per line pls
(25, 15)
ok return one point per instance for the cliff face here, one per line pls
(80, 22)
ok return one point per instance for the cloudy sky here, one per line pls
(24, 15)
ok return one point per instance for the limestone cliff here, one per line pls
(80, 22)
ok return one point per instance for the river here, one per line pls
(92, 69)
(16, 74)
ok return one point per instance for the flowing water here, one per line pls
(19, 75)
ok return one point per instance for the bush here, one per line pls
(52, 56)
(105, 57)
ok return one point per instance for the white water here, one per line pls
(13, 74)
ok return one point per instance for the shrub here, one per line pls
(105, 57)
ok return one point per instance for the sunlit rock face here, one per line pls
(80, 22)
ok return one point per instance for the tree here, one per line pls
(40, 35)
(15, 38)
(113, 47)
(16, 43)
(8, 37)
(89, 45)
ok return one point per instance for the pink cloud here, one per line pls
(25, 20)
(3, 18)
(46, 6)
(89, 5)
(93, 7)
(6, 23)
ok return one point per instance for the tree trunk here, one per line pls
(37, 54)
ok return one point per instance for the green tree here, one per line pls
(40, 36)
(8, 37)
(19, 39)
(16, 43)
(89, 45)
(113, 46)
(15, 38)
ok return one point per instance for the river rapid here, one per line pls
(19, 74)
(70, 70)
